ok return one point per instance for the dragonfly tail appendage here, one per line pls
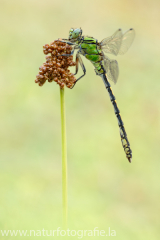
(123, 135)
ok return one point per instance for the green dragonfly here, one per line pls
(106, 68)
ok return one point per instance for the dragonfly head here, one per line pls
(74, 34)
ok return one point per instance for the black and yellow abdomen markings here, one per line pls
(123, 135)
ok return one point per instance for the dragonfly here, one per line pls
(106, 68)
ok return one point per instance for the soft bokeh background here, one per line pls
(104, 190)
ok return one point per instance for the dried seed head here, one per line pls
(56, 67)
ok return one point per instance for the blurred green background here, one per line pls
(104, 190)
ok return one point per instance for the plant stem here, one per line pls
(64, 159)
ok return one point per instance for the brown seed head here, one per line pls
(56, 67)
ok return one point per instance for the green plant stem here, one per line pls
(64, 159)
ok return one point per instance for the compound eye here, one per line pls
(74, 35)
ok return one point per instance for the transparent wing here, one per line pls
(127, 40)
(118, 43)
(112, 70)
(112, 44)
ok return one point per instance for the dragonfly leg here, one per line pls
(79, 60)
(66, 41)
(67, 55)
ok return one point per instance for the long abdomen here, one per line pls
(123, 134)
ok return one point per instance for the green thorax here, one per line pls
(91, 50)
